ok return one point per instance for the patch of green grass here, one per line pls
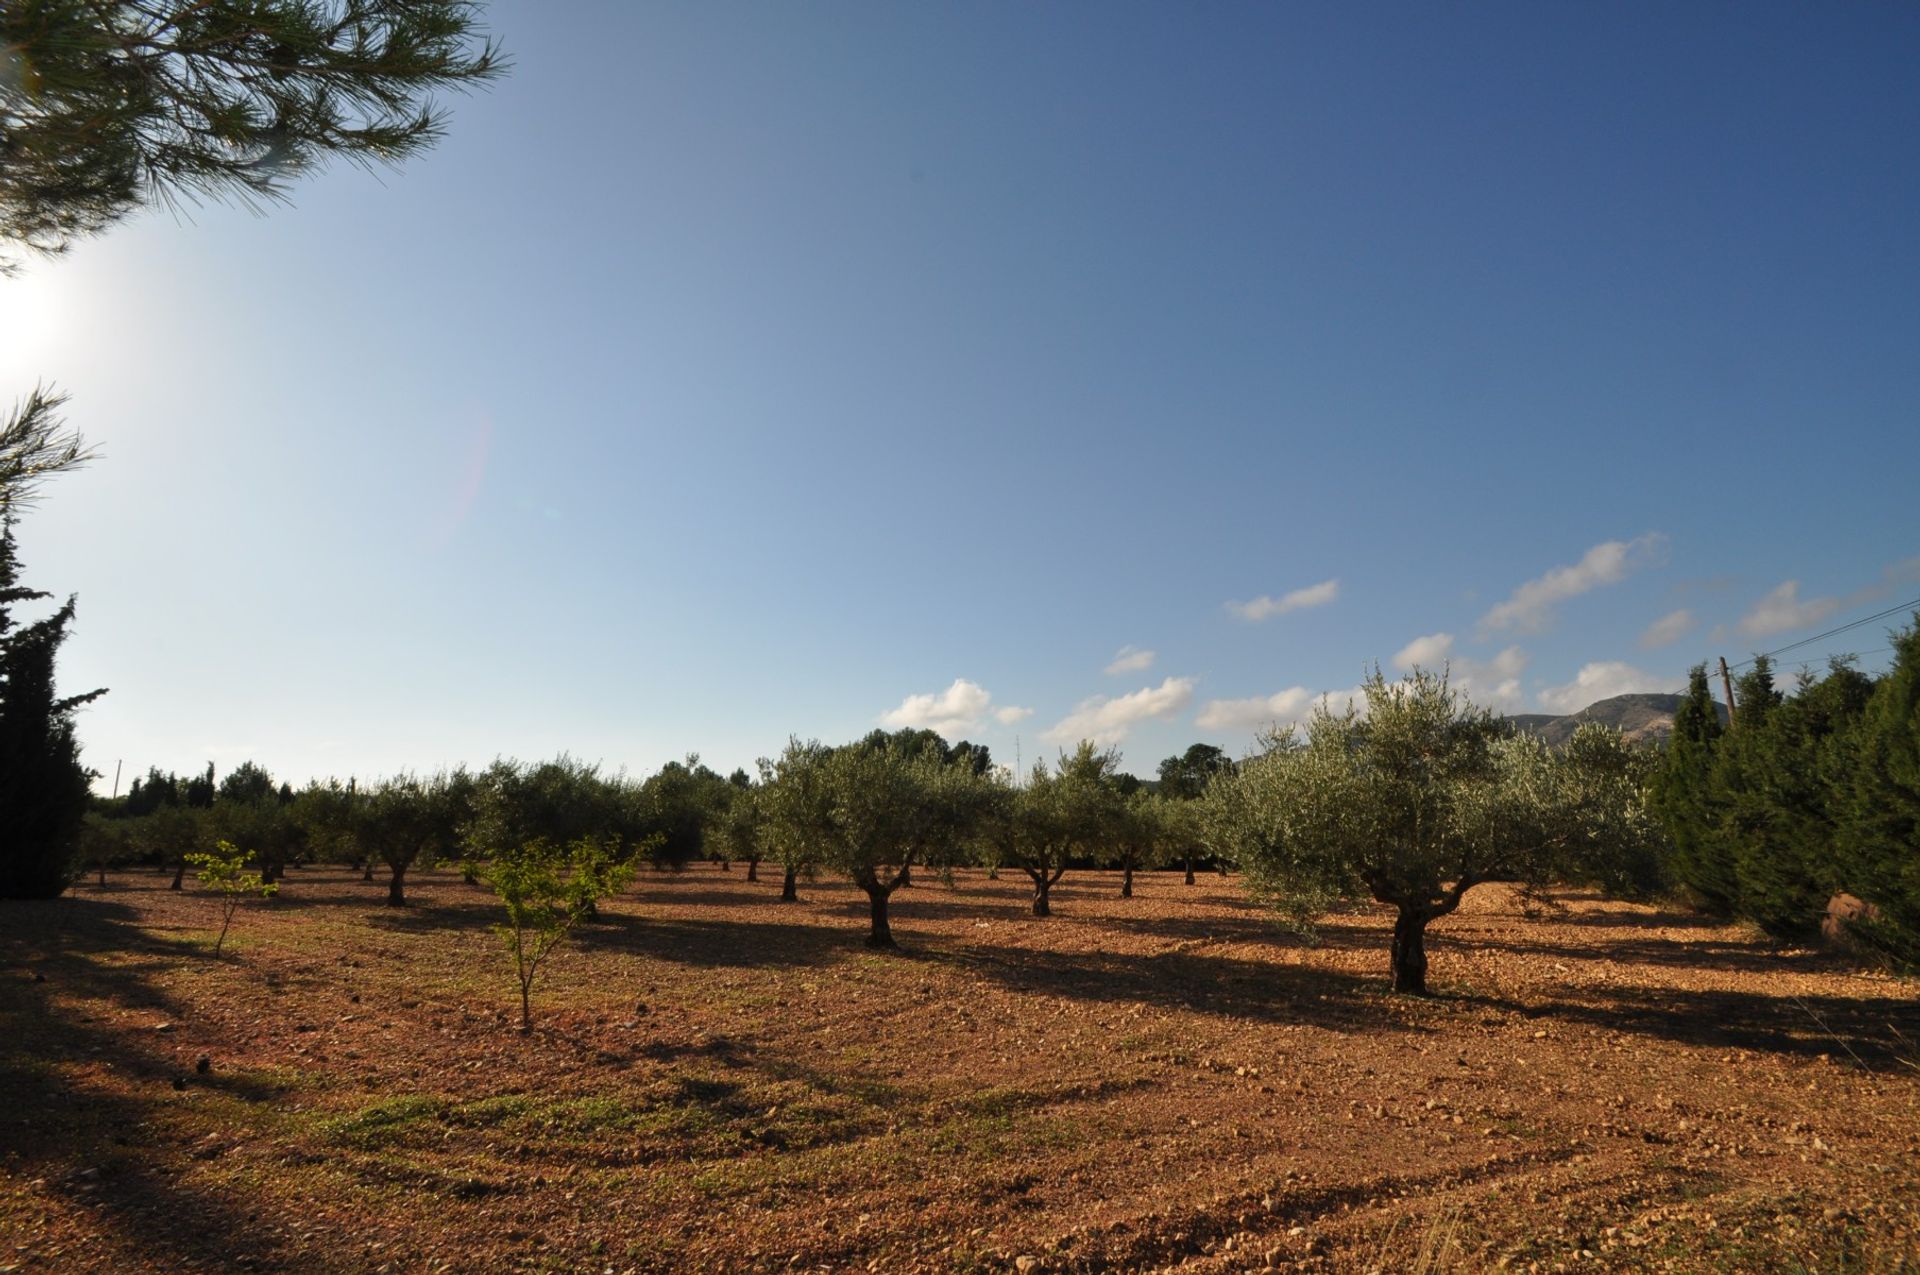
(385, 1122)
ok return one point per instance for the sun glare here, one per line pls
(36, 308)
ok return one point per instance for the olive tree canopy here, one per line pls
(1416, 801)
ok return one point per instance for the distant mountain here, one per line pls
(1641, 718)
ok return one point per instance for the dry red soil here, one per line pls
(718, 1081)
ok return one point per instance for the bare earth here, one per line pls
(719, 1081)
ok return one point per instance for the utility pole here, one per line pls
(1726, 680)
(116, 775)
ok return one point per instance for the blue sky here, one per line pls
(733, 372)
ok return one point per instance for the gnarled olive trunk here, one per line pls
(1409, 958)
(366, 870)
(179, 872)
(397, 886)
(1189, 869)
(906, 876)
(1126, 882)
(753, 869)
(790, 888)
(1418, 907)
(882, 934)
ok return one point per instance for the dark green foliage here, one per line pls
(198, 791)
(156, 790)
(677, 804)
(247, 782)
(1681, 795)
(108, 105)
(1187, 775)
(1881, 855)
(1803, 797)
(1787, 811)
(43, 787)
(976, 758)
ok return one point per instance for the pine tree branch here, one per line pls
(36, 445)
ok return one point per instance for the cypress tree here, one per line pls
(1683, 797)
(1742, 832)
(43, 787)
(1787, 869)
(1882, 841)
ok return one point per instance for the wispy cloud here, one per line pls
(1263, 607)
(1107, 720)
(962, 707)
(1602, 680)
(1493, 683)
(1784, 610)
(1130, 659)
(1667, 630)
(1278, 709)
(1530, 609)
(1283, 710)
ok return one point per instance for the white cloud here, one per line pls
(1430, 651)
(1130, 659)
(1107, 721)
(1783, 610)
(1493, 683)
(1280, 708)
(1667, 630)
(1601, 680)
(1314, 595)
(1530, 609)
(962, 707)
(1283, 710)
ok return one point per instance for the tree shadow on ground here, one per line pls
(1731, 956)
(1612, 918)
(1877, 1034)
(1196, 982)
(92, 1140)
(722, 943)
(428, 916)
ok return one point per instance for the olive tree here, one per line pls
(1070, 812)
(1185, 777)
(738, 828)
(1414, 802)
(867, 812)
(407, 820)
(1145, 830)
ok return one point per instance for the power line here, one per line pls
(1821, 637)
(1878, 650)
